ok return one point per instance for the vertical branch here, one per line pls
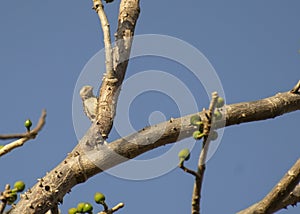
(202, 158)
(3, 198)
(110, 88)
(99, 8)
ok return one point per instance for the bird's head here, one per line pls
(86, 92)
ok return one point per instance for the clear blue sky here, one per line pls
(253, 46)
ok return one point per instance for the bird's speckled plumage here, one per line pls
(89, 102)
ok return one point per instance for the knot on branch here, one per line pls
(97, 4)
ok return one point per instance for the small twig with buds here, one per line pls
(112, 210)
(30, 134)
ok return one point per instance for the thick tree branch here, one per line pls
(89, 157)
(23, 137)
(282, 190)
(292, 199)
(110, 88)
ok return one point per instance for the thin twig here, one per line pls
(112, 210)
(202, 158)
(16, 136)
(31, 135)
(99, 8)
(117, 207)
(187, 170)
(3, 198)
(296, 88)
(284, 187)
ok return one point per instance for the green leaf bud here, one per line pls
(197, 135)
(195, 120)
(213, 135)
(87, 208)
(72, 210)
(99, 198)
(220, 102)
(184, 155)
(217, 114)
(80, 207)
(19, 186)
(12, 198)
(28, 124)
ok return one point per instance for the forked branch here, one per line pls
(116, 60)
(78, 165)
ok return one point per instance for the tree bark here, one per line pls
(271, 203)
(111, 84)
(79, 165)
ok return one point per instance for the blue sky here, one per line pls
(253, 47)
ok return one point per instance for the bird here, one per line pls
(89, 101)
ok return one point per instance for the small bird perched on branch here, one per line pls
(89, 102)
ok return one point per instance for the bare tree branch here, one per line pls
(15, 136)
(3, 198)
(296, 88)
(292, 199)
(202, 158)
(187, 170)
(24, 137)
(285, 186)
(114, 209)
(89, 158)
(99, 8)
(110, 88)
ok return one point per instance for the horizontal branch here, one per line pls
(180, 128)
(15, 136)
(89, 157)
(23, 137)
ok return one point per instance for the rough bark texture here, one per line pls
(270, 203)
(111, 85)
(79, 165)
